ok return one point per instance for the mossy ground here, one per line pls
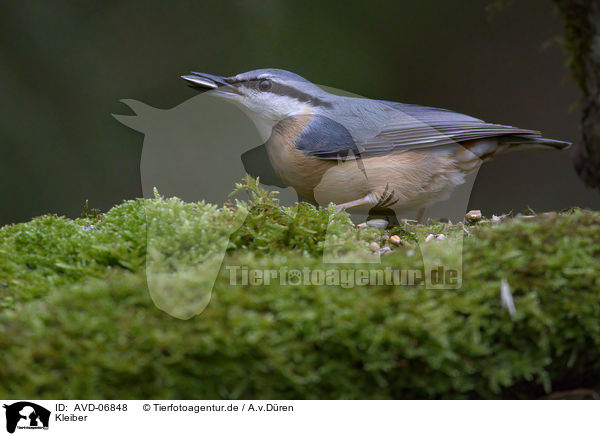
(77, 320)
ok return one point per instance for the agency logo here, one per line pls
(26, 415)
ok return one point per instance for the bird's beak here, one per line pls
(208, 82)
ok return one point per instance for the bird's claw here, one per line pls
(387, 198)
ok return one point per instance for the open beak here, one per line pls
(207, 82)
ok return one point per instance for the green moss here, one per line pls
(77, 320)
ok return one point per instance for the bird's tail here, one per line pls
(521, 142)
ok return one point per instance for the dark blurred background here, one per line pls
(65, 67)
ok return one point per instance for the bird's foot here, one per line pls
(361, 201)
(386, 199)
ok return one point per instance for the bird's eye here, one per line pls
(264, 84)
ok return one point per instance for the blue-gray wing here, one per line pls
(327, 138)
(381, 127)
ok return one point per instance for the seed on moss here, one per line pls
(384, 250)
(395, 239)
(473, 215)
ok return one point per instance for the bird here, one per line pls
(363, 155)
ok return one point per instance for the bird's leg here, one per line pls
(420, 214)
(367, 199)
(385, 200)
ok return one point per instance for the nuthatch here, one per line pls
(359, 153)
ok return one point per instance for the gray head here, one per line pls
(267, 95)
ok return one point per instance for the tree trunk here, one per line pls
(581, 19)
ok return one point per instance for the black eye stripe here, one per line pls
(287, 91)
